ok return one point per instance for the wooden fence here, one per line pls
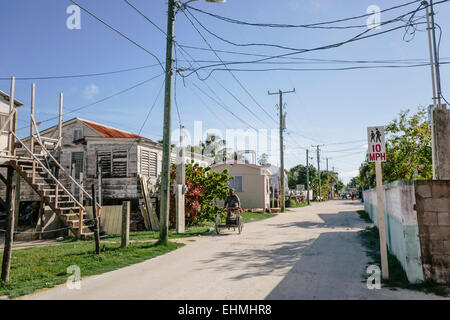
(111, 219)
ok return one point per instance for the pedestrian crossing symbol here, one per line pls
(376, 144)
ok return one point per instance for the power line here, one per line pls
(120, 33)
(397, 19)
(318, 61)
(151, 109)
(101, 100)
(162, 31)
(146, 18)
(86, 75)
(358, 37)
(311, 25)
(237, 80)
(322, 69)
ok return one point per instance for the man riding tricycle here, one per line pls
(232, 207)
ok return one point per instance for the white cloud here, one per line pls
(90, 92)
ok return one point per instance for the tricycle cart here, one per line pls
(233, 221)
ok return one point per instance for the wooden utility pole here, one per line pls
(125, 224)
(307, 176)
(96, 222)
(318, 170)
(282, 128)
(165, 170)
(9, 234)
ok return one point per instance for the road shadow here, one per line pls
(332, 267)
(342, 219)
(258, 262)
(273, 259)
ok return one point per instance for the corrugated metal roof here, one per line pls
(109, 132)
(6, 97)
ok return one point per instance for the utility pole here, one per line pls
(436, 56)
(282, 127)
(165, 170)
(318, 169)
(435, 80)
(307, 177)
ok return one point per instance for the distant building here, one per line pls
(4, 113)
(275, 178)
(251, 183)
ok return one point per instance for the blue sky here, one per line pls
(329, 107)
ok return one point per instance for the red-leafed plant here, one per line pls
(203, 187)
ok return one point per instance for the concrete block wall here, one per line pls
(433, 215)
(401, 225)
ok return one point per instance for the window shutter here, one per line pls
(149, 163)
(104, 160)
(119, 163)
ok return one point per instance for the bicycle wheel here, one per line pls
(218, 220)
(241, 225)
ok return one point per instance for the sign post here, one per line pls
(377, 154)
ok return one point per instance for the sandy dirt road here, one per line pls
(306, 253)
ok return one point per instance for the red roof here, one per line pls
(109, 132)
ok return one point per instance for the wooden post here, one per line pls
(381, 224)
(125, 224)
(96, 222)
(17, 202)
(9, 234)
(56, 195)
(11, 109)
(72, 173)
(100, 192)
(40, 218)
(80, 222)
(180, 204)
(60, 126)
(33, 98)
(80, 192)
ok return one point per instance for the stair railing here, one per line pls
(67, 174)
(49, 173)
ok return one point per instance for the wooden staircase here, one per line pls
(54, 195)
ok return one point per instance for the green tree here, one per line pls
(408, 151)
(408, 147)
(297, 175)
(204, 186)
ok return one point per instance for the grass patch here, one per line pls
(364, 215)
(397, 276)
(295, 204)
(253, 216)
(45, 267)
(194, 231)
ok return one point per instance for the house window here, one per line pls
(113, 164)
(236, 183)
(149, 163)
(77, 164)
(119, 164)
(3, 118)
(77, 134)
